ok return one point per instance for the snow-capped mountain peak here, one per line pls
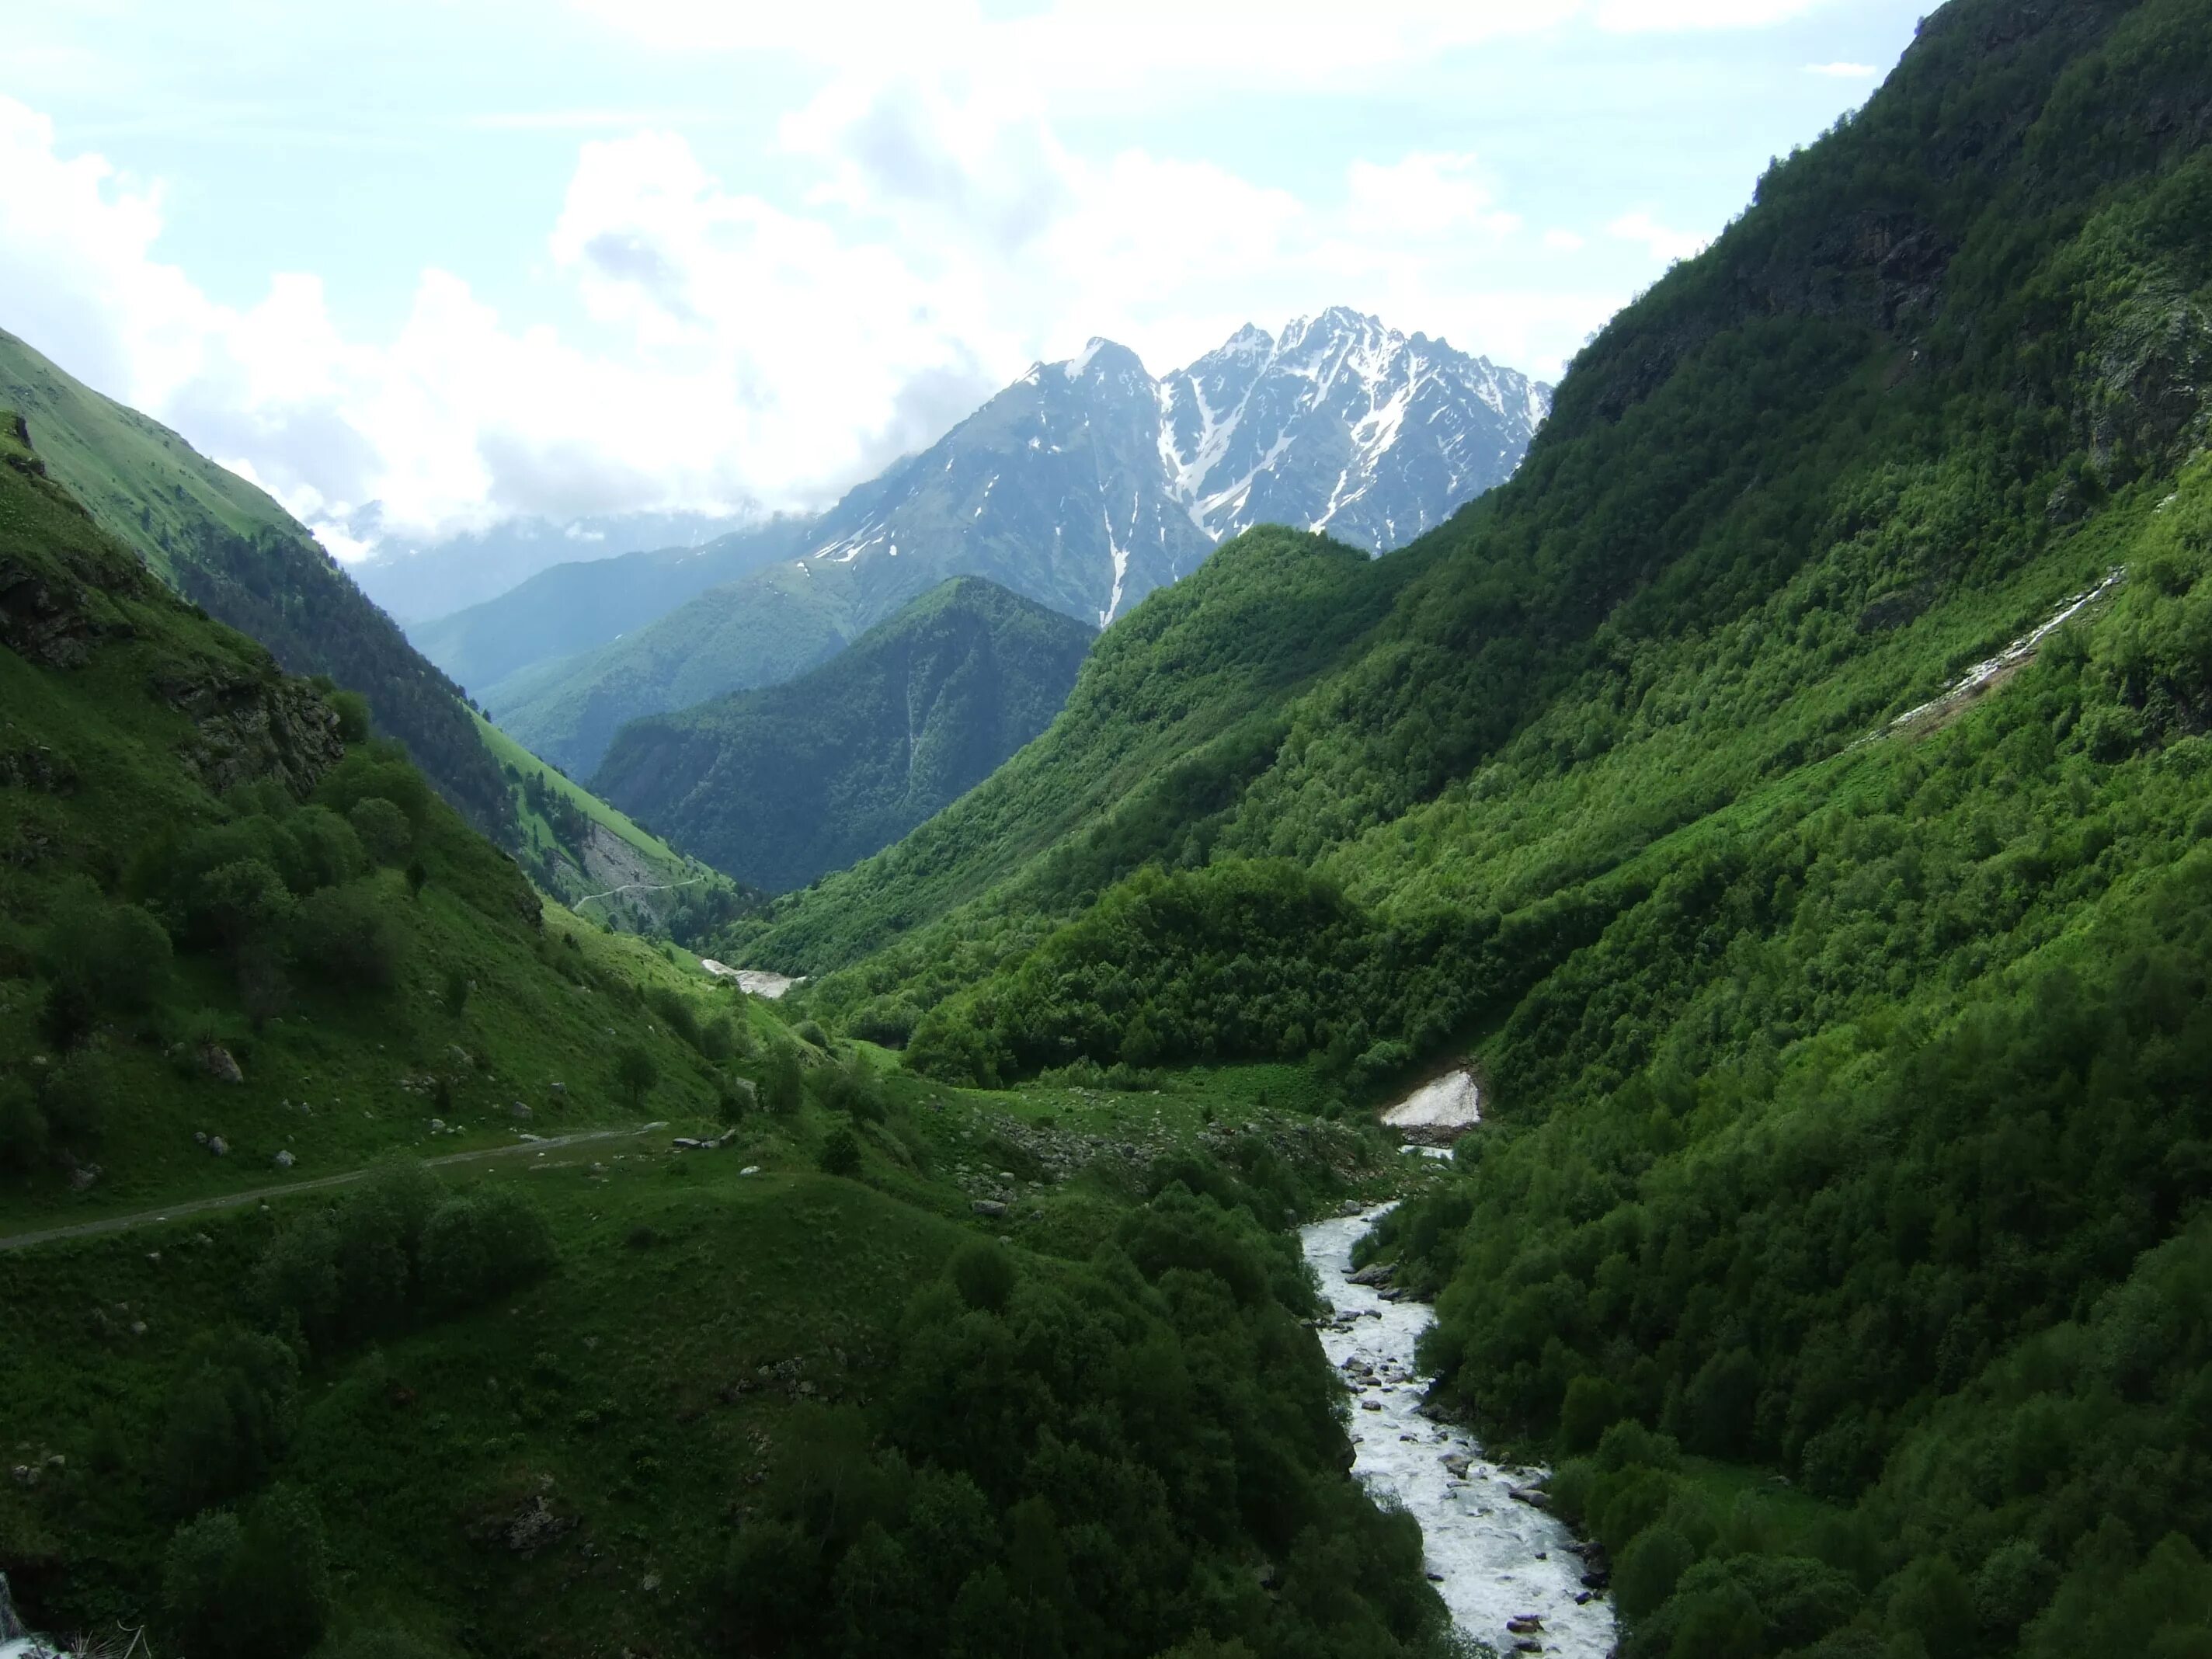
(1087, 483)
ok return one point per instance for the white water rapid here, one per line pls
(1495, 1558)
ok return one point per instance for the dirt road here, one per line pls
(118, 1224)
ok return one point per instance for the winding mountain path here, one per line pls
(116, 1223)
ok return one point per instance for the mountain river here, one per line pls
(1495, 1559)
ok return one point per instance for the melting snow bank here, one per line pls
(1453, 1102)
(750, 979)
(2021, 651)
(1496, 1558)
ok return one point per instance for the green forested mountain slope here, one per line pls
(1846, 1084)
(769, 628)
(786, 1393)
(230, 549)
(778, 785)
(1176, 707)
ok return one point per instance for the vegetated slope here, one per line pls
(1176, 707)
(1847, 1094)
(777, 787)
(200, 854)
(228, 548)
(242, 945)
(1083, 486)
(590, 856)
(576, 606)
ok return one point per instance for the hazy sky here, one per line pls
(471, 258)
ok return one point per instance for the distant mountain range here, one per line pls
(1084, 485)
(415, 578)
(789, 782)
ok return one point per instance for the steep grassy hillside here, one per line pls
(578, 606)
(1846, 1078)
(228, 548)
(777, 787)
(224, 912)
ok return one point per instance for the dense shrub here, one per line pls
(345, 936)
(229, 1420)
(24, 1134)
(635, 1074)
(1080, 1459)
(841, 1153)
(385, 834)
(255, 1586)
(481, 1247)
(118, 954)
(343, 1275)
(233, 904)
(783, 1088)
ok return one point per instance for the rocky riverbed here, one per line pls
(1511, 1574)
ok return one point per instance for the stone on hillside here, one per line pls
(284, 1160)
(519, 1111)
(990, 1208)
(218, 1146)
(220, 1065)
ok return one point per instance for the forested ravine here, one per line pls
(1506, 1569)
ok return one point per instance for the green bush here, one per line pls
(783, 1089)
(229, 1420)
(319, 849)
(352, 710)
(345, 1273)
(840, 1152)
(983, 1272)
(75, 1096)
(635, 1074)
(481, 1247)
(850, 1087)
(250, 1587)
(347, 939)
(119, 954)
(23, 1133)
(676, 1013)
(235, 903)
(386, 835)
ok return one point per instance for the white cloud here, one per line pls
(1844, 71)
(730, 348)
(1672, 16)
(1563, 242)
(1663, 243)
(1132, 51)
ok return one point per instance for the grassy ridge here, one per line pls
(227, 546)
